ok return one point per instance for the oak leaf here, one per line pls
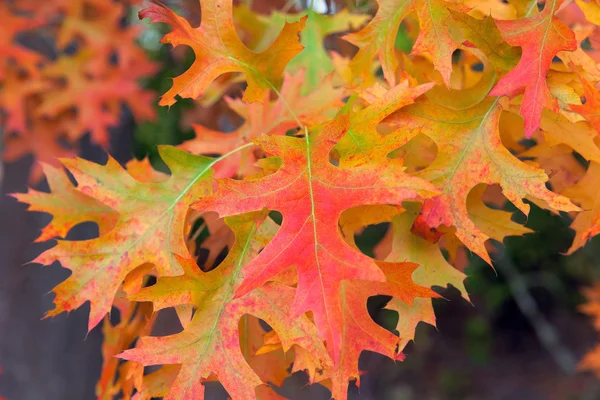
(541, 37)
(433, 271)
(484, 34)
(210, 344)
(363, 143)
(44, 139)
(270, 366)
(586, 194)
(150, 228)
(315, 59)
(116, 377)
(96, 100)
(219, 50)
(589, 110)
(12, 24)
(591, 361)
(15, 98)
(378, 38)
(311, 194)
(102, 32)
(470, 152)
(360, 332)
(67, 205)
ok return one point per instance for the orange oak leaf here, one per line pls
(360, 332)
(14, 98)
(96, 100)
(272, 366)
(150, 228)
(378, 38)
(270, 117)
(579, 136)
(134, 321)
(541, 37)
(470, 152)
(590, 109)
(433, 270)
(586, 194)
(219, 50)
(497, 224)
(557, 141)
(156, 383)
(43, 140)
(363, 143)
(210, 344)
(75, 92)
(582, 60)
(564, 169)
(67, 205)
(591, 361)
(303, 360)
(311, 194)
(11, 24)
(69, 7)
(102, 32)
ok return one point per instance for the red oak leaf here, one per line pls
(541, 37)
(311, 194)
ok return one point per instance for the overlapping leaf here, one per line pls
(363, 143)
(433, 270)
(210, 344)
(541, 37)
(219, 50)
(360, 331)
(378, 38)
(67, 205)
(471, 152)
(314, 58)
(149, 230)
(311, 194)
(83, 66)
(586, 194)
(270, 117)
(590, 110)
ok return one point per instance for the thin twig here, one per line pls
(545, 331)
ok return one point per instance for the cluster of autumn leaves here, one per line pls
(67, 68)
(432, 142)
